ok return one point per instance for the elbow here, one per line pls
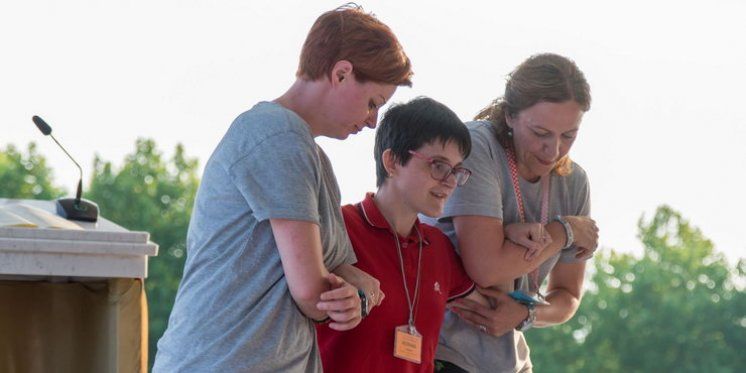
(306, 295)
(486, 279)
(307, 299)
(308, 306)
(571, 307)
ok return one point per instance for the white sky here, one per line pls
(667, 125)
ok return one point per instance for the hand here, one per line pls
(363, 281)
(341, 304)
(585, 231)
(532, 236)
(504, 317)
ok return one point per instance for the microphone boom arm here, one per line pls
(80, 182)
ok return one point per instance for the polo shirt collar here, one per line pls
(373, 216)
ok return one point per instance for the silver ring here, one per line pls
(483, 328)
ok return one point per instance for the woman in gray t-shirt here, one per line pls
(267, 250)
(522, 217)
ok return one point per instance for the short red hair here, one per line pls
(348, 33)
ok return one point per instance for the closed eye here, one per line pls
(540, 134)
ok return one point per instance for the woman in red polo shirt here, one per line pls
(419, 148)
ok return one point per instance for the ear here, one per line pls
(510, 120)
(341, 72)
(389, 162)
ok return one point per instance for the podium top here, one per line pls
(100, 249)
(101, 231)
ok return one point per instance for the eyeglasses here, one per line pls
(441, 171)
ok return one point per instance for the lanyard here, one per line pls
(411, 300)
(533, 276)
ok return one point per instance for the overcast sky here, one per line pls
(667, 125)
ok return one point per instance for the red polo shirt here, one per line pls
(370, 346)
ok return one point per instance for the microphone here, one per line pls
(70, 208)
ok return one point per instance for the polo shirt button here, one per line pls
(405, 244)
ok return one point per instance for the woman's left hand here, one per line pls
(504, 317)
(363, 281)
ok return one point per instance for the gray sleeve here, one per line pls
(280, 179)
(582, 207)
(481, 195)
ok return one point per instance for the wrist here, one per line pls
(569, 236)
(528, 322)
(363, 303)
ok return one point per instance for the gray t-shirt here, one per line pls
(233, 310)
(489, 192)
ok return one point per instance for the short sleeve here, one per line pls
(280, 178)
(461, 284)
(481, 195)
(582, 207)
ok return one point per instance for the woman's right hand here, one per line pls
(532, 236)
(585, 233)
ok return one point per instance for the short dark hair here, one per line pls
(418, 122)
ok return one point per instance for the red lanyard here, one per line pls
(533, 277)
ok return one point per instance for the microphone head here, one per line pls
(42, 125)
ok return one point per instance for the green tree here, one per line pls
(151, 194)
(679, 308)
(26, 175)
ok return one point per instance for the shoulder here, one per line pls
(482, 130)
(437, 239)
(483, 138)
(266, 127)
(269, 122)
(578, 178)
(352, 217)
(349, 211)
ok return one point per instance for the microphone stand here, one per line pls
(71, 208)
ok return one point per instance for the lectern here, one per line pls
(73, 300)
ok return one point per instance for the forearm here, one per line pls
(348, 272)
(507, 262)
(562, 307)
(299, 245)
(357, 278)
(564, 292)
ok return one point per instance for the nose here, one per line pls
(450, 180)
(372, 119)
(552, 148)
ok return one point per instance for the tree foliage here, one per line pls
(156, 195)
(26, 175)
(679, 308)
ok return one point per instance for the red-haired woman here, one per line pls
(267, 251)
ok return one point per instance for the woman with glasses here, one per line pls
(419, 148)
(522, 217)
(267, 252)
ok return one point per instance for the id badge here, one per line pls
(408, 344)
